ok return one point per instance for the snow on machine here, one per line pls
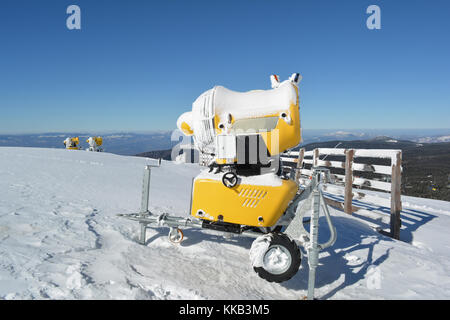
(94, 144)
(72, 143)
(244, 191)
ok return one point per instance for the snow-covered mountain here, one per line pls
(131, 143)
(435, 139)
(60, 238)
(416, 135)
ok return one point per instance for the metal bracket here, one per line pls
(145, 198)
(313, 202)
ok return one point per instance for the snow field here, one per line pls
(60, 239)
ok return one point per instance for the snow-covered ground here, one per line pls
(60, 238)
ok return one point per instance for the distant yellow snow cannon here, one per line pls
(243, 191)
(94, 144)
(72, 143)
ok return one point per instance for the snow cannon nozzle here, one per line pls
(295, 78)
(274, 81)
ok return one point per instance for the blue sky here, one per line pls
(137, 65)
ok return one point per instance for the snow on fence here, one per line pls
(349, 180)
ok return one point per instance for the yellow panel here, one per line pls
(216, 125)
(187, 130)
(243, 204)
(217, 121)
(98, 140)
(226, 161)
(285, 136)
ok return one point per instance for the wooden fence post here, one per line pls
(396, 202)
(301, 155)
(316, 157)
(348, 196)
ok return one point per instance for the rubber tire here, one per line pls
(291, 246)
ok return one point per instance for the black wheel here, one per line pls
(281, 261)
(175, 235)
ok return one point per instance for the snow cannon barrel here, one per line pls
(221, 118)
(184, 123)
(94, 144)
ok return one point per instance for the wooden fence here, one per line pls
(388, 177)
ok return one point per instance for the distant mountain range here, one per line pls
(123, 143)
(131, 143)
(381, 142)
(414, 135)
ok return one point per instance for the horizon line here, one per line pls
(124, 131)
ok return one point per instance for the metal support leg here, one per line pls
(313, 249)
(145, 190)
(144, 201)
(143, 232)
(314, 202)
(145, 198)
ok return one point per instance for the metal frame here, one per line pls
(293, 219)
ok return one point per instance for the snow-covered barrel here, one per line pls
(273, 114)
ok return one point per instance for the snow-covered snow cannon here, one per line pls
(244, 133)
(94, 144)
(243, 192)
(231, 126)
(72, 143)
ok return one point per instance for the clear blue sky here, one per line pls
(137, 65)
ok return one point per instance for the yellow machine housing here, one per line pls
(278, 133)
(72, 143)
(253, 202)
(98, 140)
(223, 123)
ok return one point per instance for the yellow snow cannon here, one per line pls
(72, 143)
(244, 132)
(94, 144)
(243, 192)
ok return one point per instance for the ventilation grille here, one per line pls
(252, 197)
